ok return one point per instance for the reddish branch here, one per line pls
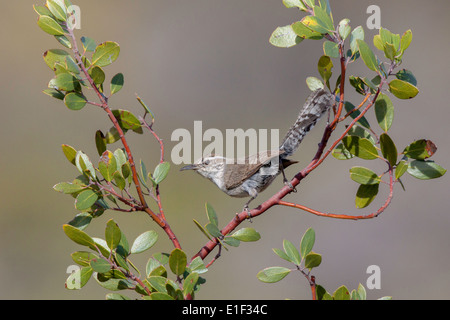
(158, 218)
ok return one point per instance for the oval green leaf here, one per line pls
(86, 199)
(145, 241)
(367, 55)
(307, 242)
(360, 147)
(388, 149)
(117, 83)
(402, 89)
(246, 235)
(284, 37)
(177, 261)
(425, 170)
(364, 176)
(105, 54)
(273, 274)
(75, 101)
(384, 111)
(50, 26)
(292, 252)
(365, 195)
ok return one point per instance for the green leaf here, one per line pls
(357, 34)
(378, 43)
(202, 229)
(78, 236)
(58, 56)
(42, 10)
(292, 252)
(100, 142)
(402, 89)
(388, 149)
(294, 3)
(344, 28)
(98, 75)
(197, 265)
(116, 296)
(117, 83)
(282, 254)
(350, 107)
(341, 293)
(85, 199)
(161, 172)
(401, 169)
(362, 292)
(143, 242)
(360, 147)
(84, 165)
(313, 260)
(325, 67)
(307, 242)
(331, 49)
(407, 76)
(384, 111)
(322, 294)
(324, 19)
(112, 284)
(50, 25)
(100, 265)
(361, 132)
(367, 55)
(126, 119)
(340, 153)
(420, 149)
(112, 234)
(83, 258)
(81, 220)
(231, 241)
(314, 83)
(273, 274)
(64, 41)
(406, 40)
(88, 44)
(189, 283)
(213, 230)
(79, 278)
(212, 215)
(315, 24)
(246, 235)
(425, 170)
(67, 188)
(107, 165)
(177, 261)
(105, 54)
(304, 32)
(54, 93)
(284, 37)
(65, 82)
(364, 176)
(365, 195)
(58, 10)
(75, 101)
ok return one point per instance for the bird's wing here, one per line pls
(238, 173)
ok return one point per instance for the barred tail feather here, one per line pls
(315, 106)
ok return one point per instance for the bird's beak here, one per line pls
(190, 167)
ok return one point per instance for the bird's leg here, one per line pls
(286, 181)
(246, 209)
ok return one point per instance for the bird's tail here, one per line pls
(315, 106)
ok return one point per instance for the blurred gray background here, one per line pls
(211, 61)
